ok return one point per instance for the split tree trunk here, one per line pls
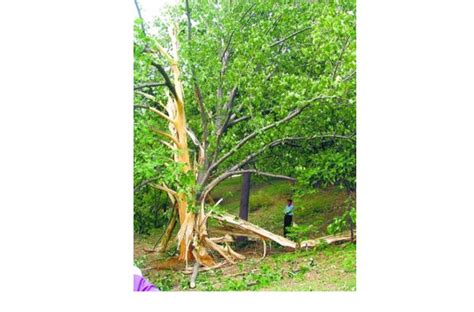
(193, 239)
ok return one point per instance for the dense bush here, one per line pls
(343, 223)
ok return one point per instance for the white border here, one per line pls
(66, 162)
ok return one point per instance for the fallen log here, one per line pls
(330, 240)
(244, 228)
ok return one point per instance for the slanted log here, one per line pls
(247, 227)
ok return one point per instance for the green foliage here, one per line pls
(331, 166)
(342, 223)
(300, 233)
(235, 284)
(254, 280)
(349, 264)
(323, 245)
(149, 156)
(265, 276)
(164, 282)
(328, 268)
(299, 272)
(140, 262)
(281, 55)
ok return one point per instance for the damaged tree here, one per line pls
(193, 238)
(216, 155)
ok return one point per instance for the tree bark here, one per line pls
(244, 204)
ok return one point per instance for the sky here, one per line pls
(151, 8)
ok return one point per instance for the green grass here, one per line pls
(325, 268)
(268, 199)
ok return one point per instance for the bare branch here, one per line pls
(202, 111)
(237, 120)
(193, 137)
(150, 97)
(290, 116)
(247, 11)
(140, 15)
(228, 174)
(349, 76)
(146, 95)
(224, 53)
(143, 184)
(221, 128)
(274, 24)
(168, 82)
(320, 97)
(167, 145)
(283, 141)
(164, 188)
(188, 15)
(228, 109)
(290, 36)
(148, 85)
(166, 135)
(225, 56)
(338, 62)
(162, 115)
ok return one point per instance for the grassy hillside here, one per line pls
(323, 268)
(268, 199)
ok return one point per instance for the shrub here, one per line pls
(299, 233)
(342, 223)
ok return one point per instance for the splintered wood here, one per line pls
(230, 224)
(237, 227)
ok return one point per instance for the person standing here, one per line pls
(288, 219)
